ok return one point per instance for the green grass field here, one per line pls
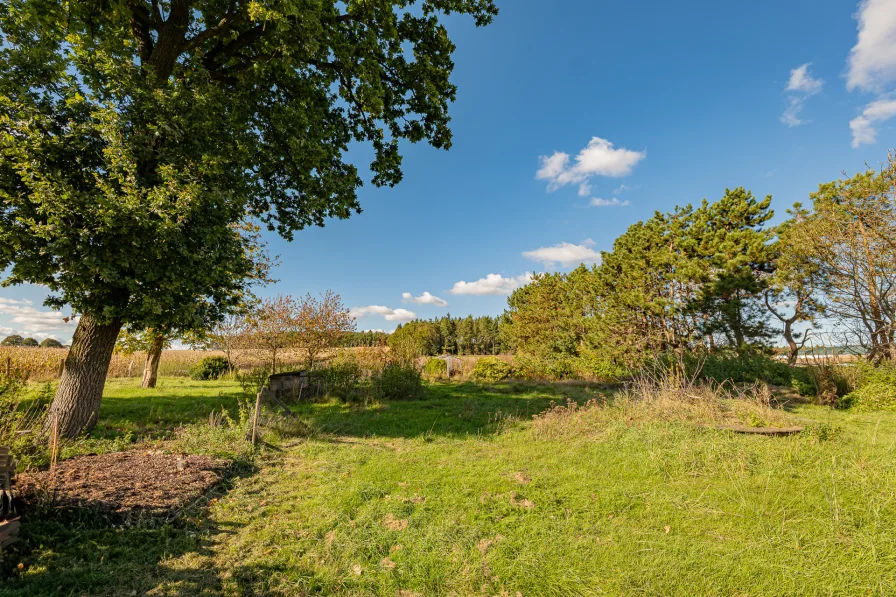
(464, 494)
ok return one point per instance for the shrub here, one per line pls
(209, 368)
(876, 388)
(875, 395)
(491, 369)
(743, 367)
(589, 365)
(343, 379)
(399, 382)
(22, 418)
(253, 380)
(801, 386)
(435, 369)
(529, 367)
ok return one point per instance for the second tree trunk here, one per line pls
(153, 356)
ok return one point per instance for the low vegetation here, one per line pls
(489, 489)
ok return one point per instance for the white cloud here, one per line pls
(801, 86)
(553, 166)
(9, 301)
(802, 81)
(864, 126)
(625, 188)
(584, 189)
(566, 254)
(424, 299)
(492, 284)
(614, 202)
(387, 313)
(31, 322)
(599, 158)
(872, 61)
(872, 66)
(791, 116)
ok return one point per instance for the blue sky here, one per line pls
(654, 104)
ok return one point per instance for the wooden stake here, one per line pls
(54, 450)
(258, 399)
(61, 367)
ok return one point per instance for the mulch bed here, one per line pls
(131, 482)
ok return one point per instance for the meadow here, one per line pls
(492, 489)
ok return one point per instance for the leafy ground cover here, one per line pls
(465, 493)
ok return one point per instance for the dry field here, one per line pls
(43, 364)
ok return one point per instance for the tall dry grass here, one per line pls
(663, 396)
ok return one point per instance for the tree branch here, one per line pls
(140, 25)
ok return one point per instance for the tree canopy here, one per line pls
(135, 138)
(143, 142)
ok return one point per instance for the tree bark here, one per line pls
(153, 356)
(794, 351)
(76, 406)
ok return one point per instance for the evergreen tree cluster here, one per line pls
(693, 278)
(366, 338)
(450, 335)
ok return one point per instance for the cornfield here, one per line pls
(44, 364)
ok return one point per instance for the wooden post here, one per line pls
(258, 399)
(54, 450)
(61, 367)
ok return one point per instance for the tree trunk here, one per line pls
(77, 402)
(153, 356)
(794, 351)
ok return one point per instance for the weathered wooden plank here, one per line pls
(9, 528)
(270, 395)
(4, 543)
(758, 430)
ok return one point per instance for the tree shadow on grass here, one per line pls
(87, 551)
(448, 410)
(157, 412)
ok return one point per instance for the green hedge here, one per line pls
(491, 369)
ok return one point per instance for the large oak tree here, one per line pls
(138, 137)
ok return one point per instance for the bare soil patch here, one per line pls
(128, 482)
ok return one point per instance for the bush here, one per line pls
(22, 418)
(529, 367)
(399, 382)
(435, 369)
(343, 379)
(209, 368)
(745, 367)
(589, 365)
(876, 388)
(491, 369)
(872, 396)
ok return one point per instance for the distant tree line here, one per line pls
(450, 335)
(16, 340)
(367, 338)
